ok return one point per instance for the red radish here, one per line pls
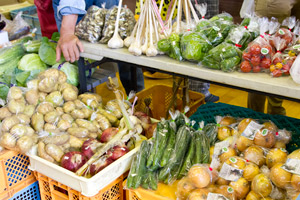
(89, 147)
(100, 164)
(117, 152)
(108, 134)
(73, 160)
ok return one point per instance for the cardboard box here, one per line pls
(8, 2)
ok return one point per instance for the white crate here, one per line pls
(86, 186)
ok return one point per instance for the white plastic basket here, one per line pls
(86, 186)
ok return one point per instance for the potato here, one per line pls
(37, 121)
(77, 114)
(52, 117)
(16, 106)
(93, 135)
(111, 118)
(79, 104)
(25, 143)
(47, 85)
(33, 84)
(92, 103)
(29, 110)
(69, 106)
(49, 127)
(60, 111)
(70, 93)
(14, 93)
(75, 142)
(102, 121)
(45, 107)
(8, 141)
(55, 98)
(87, 112)
(57, 139)
(4, 113)
(54, 151)
(66, 147)
(24, 119)
(9, 122)
(49, 73)
(63, 125)
(74, 125)
(63, 86)
(32, 97)
(96, 124)
(18, 130)
(67, 117)
(87, 124)
(62, 77)
(42, 96)
(30, 131)
(94, 96)
(42, 153)
(78, 132)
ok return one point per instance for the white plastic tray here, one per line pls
(87, 186)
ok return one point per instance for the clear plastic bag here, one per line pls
(17, 28)
(295, 70)
(126, 23)
(90, 27)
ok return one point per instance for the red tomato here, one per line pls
(277, 60)
(290, 62)
(266, 46)
(286, 69)
(246, 56)
(276, 73)
(255, 49)
(245, 66)
(265, 63)
(256, 69)
(255, 60)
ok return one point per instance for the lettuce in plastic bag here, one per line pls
(70, 70)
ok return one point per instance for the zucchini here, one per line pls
(169, 148)
(10, 53)
(162, 138)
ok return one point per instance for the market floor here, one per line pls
(227, 95)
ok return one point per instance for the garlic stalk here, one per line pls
(155, 28)
(187, 14)
(195, 16)
(178, 16)
(145, 45)
(161, 5)
(151, 51)
(129, 40)
(116, 41)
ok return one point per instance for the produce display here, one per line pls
(74, 131)
(247, 160)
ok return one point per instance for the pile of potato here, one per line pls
(51, 114)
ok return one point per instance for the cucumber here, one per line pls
(205, 149)
(140, 168)
(211, 131)
(153, 150)
(163, 136)
(188, 160)
(198, 151)
(132, 173)
(169, 148)
(150, 181)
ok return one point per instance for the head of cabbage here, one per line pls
(31, 62)
(70, 70)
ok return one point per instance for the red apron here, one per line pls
(46, 17)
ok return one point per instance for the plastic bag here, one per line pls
(126, 23)
(258, 54)
(17, 28)
(295, 70)
(247, 9)
(224, 57)
(236, 32)
(90, 27)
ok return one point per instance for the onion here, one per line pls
(100, 164)
(117, 152)
(89, 147)
(73, 160)
(108, 134)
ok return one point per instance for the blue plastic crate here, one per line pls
(208, 111)
(30, 16)
(31, 192)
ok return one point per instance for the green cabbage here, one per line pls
(31, 62)
(47, 53)
(70, 70)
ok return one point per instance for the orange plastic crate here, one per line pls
(14, 173)
(53, 190)
(141, 194)
(161, 96)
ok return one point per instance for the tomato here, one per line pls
(255, 49)
(246, 56)
(277, 60)
(277, 73)
(286, 69)
(245, 66)
(255, 60)
(272, 68)
(290, 62)
(269, 48)
(256, 69)
(265, 63)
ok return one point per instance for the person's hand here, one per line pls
(70, 46)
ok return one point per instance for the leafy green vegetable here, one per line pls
(31, 62)
(175, 47)
(70, 70)
(32, 46)
(164, 45)
(3, 91)
(245, 22)
(10, 53)
(222, 16)
(47, 53)
(194, 46)
(239, 35)
(55, 36)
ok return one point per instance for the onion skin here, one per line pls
(89, 147)
(108, 134)
(73, 160)
(117, 152)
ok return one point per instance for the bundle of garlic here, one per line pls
(146, 31)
